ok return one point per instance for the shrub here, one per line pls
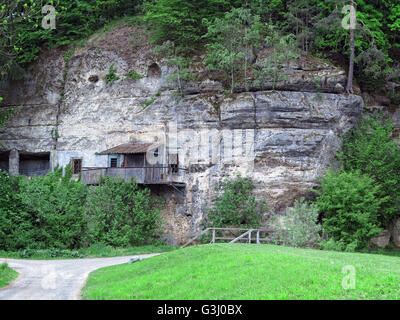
(235, 206)
(16, 229)
(53, 210)
(333, 245)
(134, 75)
(350, 204)
(299, 228)
(111, 77)
(371, 149)
(372, 68)
(121, 213)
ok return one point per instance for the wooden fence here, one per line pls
(245, 235)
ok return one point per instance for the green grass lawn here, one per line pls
(95, 251)
(242, 271)
(6, 275)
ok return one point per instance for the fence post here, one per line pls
(213, 236)
(258, 236)
(250, 236)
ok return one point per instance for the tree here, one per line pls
(181, 21)
(230, 41)
(235, 205)
(349, 87)
(371, 149)
(121, 213)
(350, 203)
(300, 19)
(283, 50)
(299, 227)
(175, 55)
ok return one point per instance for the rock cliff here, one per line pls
(284, 138)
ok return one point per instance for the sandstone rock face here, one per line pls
(381, 240)
(395, 231)
(283, 139)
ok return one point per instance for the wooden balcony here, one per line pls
(143, 175)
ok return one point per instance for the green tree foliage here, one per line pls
(181, 21)
(15, 225)
(176, 60)
(235, 205)
(22, 36)
(371, 149)
(45, 212)
(231, 40)
(350, 203)
(300, 19)
(283, 50)
(299, 228)
(55, 205)
(54, 211)
(372, 68)
(121, 213)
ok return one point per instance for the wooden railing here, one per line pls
(143, 175)
(246, 234)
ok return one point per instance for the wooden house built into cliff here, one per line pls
(146, 162)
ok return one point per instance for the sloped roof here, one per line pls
(129, 148)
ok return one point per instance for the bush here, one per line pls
(53, 211)
(16, 230)
(299, 228)
(371, 149)
(333, 245)
(111, 76)
(372, 69)
(120, 213)
(235, 206)
(350, 203)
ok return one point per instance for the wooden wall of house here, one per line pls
(134, 160)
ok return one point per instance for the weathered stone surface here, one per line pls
(283, 140)
(395, 232)
(381, 240)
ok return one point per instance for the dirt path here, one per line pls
(54, 279)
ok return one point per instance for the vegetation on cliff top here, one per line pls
(316, 26)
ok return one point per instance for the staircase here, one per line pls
(245, 235)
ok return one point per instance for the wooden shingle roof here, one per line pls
(129, 148)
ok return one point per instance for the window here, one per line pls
(76, 166)
(173, 164)
(114, 163)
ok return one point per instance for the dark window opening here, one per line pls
(173, 163)
(114, 163)
(4, 160)
(76, 166)
(34, 164)
(174, 168)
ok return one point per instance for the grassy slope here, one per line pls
(6, 275)
(240, 271)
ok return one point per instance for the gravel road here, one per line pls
(54, 279)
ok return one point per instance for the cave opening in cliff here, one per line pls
(154, 71)
(34, 164)
(4, 160)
